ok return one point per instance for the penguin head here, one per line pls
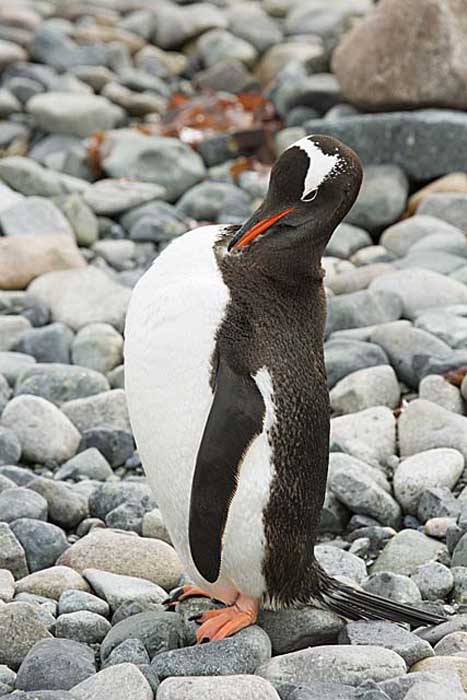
(312, 186)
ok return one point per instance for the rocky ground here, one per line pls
(124, 123)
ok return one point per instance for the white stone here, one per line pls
(365, 388)
(423, 426)
(120, 682)
(369, 435)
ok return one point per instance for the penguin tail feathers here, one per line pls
(355, 604)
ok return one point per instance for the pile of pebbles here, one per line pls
(107, 155)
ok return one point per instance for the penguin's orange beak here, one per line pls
(257, 229)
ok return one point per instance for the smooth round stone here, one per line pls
(11, 328)
(423, 425)
(153, 526)
(21, 629)
(357, 489)
(448, 206)
(158, 631)
(79, 297)
(56, 664)
(7, 590)
(369, 435)
(346, 240)
(345, 356)
(351, 665)
(290, 630)
(436, 389)
(408, 348)
(459, 593)
(15, 302)
(66, 508)
(434, 580)
(119, 254)
(76, 601)
(130, 651)
(400, 237)
(10, 446)
(42, 542)
(12, 364)
(5, 393)
(365, 388)
(82, 626)
(437, 502)
(82, 219)
(80, 115)
(118, 590)
(219, 44)
(452, 644)
(60, 382)
(106, 497)
(393, 586)
(116, 377)
(112, 196)
(246, 687)
(359, 309)
(52, 582)
(155, 221)
(12, 555)
(448, 323)
(90, 464)
(240, 654)
(437, 527)
(421, 289)
(454, 665)
(208, 200)
(97, 346)
(115, 683)
(438, 467)
(20, 502)
(50, 343)
(406, 551)
(382, 198)
(389, 636)
(116, 445)
(127, 516)
(107, 409)
(337, 562)
(125, 554)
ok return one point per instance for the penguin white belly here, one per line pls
(174, 313)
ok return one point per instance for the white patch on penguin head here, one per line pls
(320, 166)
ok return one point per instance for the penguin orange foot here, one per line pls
(219, 624)
(183, 593)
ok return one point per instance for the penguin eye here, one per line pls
(310, 196)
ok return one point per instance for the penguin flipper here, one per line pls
(235, 419)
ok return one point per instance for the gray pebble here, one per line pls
(65, 507)
(388, 635)
(61, 383)
(49, 343)
(42, 542)
(10, 447)
(159, 632)
(393, 586)
(56, 664)
(130, 651)
(82, 626)
(22, 503)
(90, 464)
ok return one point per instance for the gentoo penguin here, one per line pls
(227, 394)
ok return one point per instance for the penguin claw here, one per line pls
(182, 593)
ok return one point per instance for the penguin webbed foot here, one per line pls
(183, 593)
(222, 623)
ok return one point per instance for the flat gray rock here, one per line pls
(159, 632)
(115, 683)
(77, 115)
(388, 635)
(382, 198)
(365, 388)
(118, 590)
(406, 551)
(21, 629)
(55, 664)
(243, 687)
(42, 542)
(448, 206)
(60, 383)
(290, 630)
(344, 356)
(424, 425)
(402, 236)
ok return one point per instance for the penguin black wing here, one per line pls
(235, 419)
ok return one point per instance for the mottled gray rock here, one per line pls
(80, 115)
(407, 349)
(82, 626)
(434, 634)
(338, 562)
(158, 631)
(59, 383)
(368, 435)
(421, 289)
(343, 664)
(130, 651)
(50, 343)
(75, 601)
(79, 297)
(449, 324)
(55, 664)
(389, 636)
(12, 554)
(116, 445)
(20, 502)
(21, 629)
(111, 197)
(319, 90)
(365, 388)
(51, 582)
(5, 393)
(437, 467)
(243, 687)
(434, 685)
(7, 591)
(163, 161)
(424, 425)
(12, 364)
(400, 237)
(115, 683)
(11, 328)
(459, 593)
(344, 357)
(154, 221)
(434, 580)
(416, 141)
(153, 526)
(359, 309)
(82, 219)
(290, 630)
(437, 502)
(209, 200)
(42, 542)
(15, 302)
(31, 178)
(382, 198)
(240, 654)
(127, 516)
(334, 516)
(107, 497)
(406, 551)
(10, 447)
(452, 643)
(436, 389)
(346, 240)
(104, 409)
(90, 464)
(66, 508)
(34, 215)
(447, 206)
(118, 590)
